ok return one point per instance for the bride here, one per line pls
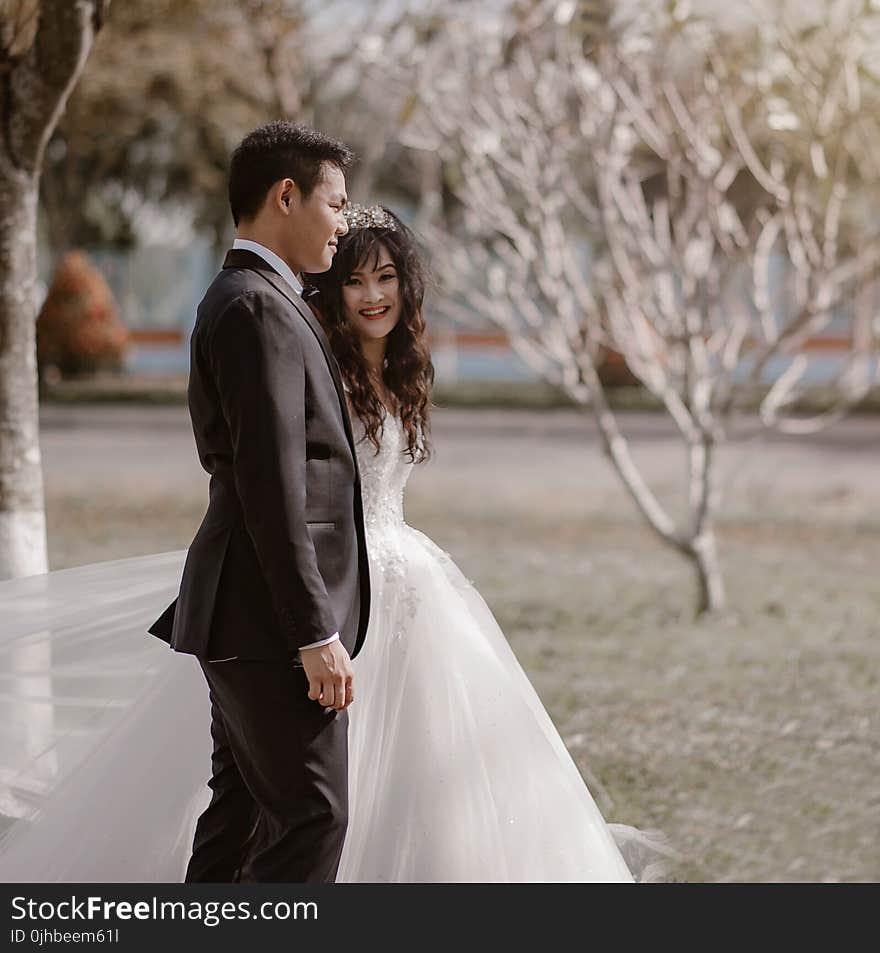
(456, 772)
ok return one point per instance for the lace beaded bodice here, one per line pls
(383, 475)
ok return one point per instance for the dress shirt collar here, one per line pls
(272, 259)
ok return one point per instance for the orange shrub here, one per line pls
(78, 328)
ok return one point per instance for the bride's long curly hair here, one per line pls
(408, 373)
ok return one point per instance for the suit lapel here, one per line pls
(240, 258)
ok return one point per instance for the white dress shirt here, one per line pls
(286, 272)
(278, 263)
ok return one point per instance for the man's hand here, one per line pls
(331, 679)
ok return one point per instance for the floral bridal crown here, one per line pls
(373, 216)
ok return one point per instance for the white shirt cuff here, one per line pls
(314, 645)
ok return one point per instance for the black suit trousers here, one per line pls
(279, 779)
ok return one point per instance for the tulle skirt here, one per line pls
(457, 773)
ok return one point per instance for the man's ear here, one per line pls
(287, 192)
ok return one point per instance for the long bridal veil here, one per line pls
(104, 731)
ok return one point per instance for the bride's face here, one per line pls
(371, 296)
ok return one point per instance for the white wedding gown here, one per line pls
(457, 773)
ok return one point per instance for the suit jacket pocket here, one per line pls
(327, 550)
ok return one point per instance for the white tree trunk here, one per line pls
(39, 70)
(22, 515)
(710, 582)
(702, 547)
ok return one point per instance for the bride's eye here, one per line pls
(351, 281)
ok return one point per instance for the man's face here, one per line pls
(315, 224)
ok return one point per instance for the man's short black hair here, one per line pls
(276, 151)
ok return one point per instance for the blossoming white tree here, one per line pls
(697, 202)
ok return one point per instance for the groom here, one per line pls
(274, 598)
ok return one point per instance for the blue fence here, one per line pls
(158, 290)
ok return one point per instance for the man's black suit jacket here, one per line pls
(280, 559)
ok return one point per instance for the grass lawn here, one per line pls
(751, 738)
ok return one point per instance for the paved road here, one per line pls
(495, 454)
